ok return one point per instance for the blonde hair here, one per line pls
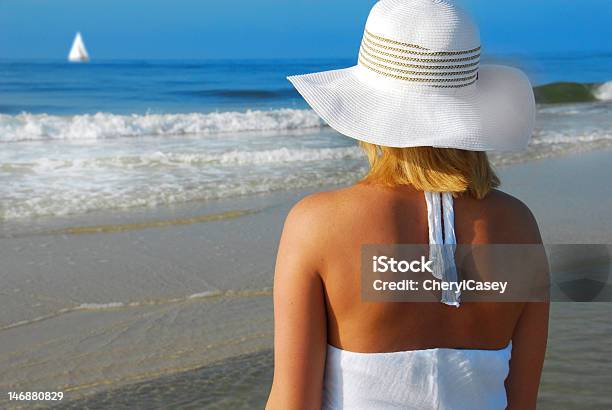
(431, 169)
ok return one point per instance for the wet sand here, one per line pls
(576, 376)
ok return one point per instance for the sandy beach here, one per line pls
(171, 307)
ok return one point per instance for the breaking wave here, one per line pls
(40, 127)
(567, 92)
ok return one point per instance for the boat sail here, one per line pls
(78, 52)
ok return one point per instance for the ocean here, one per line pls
(113, 135)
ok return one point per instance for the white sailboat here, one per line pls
(78, 52)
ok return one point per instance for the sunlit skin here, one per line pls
(317, 296)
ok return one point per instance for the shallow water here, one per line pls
(576, 375)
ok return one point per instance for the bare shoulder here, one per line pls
(512, 217)
(321, 212)
(308, 233)
(312, 207)
(509, 206)
(306, 218)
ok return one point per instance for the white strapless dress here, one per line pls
(441, 379)
(454, 379)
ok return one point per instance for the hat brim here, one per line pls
(497, 113)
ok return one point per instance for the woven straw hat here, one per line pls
(419, 82)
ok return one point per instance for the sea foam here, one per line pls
(604, 92)
(37, 127)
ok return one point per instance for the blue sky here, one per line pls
(275, 28)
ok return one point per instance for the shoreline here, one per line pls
(140, 299)
(512, 171)
(515, 176)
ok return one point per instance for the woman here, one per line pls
(425, 111)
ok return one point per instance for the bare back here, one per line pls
(370, 214)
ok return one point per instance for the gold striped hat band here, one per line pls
(420, 60)
(424, 73)
(419, 66)
(411, 62)
(377, 40)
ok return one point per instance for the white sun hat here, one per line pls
(419, 82)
